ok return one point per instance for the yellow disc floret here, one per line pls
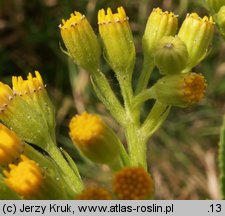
(10, 145)
(160, 12)
(194, 86)
(26, 178)
(94, 138)
(132, 183)
(109, 17)
(86, 127)
(205, 19)
(75, 19)
(31, 85)
(95, 193)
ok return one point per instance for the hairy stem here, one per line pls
(145, 75)
(222, 159)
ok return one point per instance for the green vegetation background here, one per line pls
(183, 153)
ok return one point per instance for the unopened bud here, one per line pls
(81, 41)
(159, 24)
(197, 33)
(117, 40)
(171, 55)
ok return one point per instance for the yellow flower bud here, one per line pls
(197, 34)
(81, 41)
(117, 40)
(10, 145)
(26, 178)
(171, 55)
(94, 138)
(133, 183)
(180, 89)
(159, 24)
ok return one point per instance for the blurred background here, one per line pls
(183, 153)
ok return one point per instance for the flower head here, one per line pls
(197, 33)
(117, 40)
(27, 109)
(94, 138)
(26, 178)
(132, 183)
(181, 89)
(10, 145)
(94, 193)
(33, 91)
(159, 24)
(81, 41)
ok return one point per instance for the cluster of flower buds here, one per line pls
(173, 52)
(27, 114)
(175, 56)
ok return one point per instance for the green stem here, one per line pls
(143, 96)
(222, 159)
(136, 146)
(148, 66)
(126, 90)
(107, 96)
(71, 178)
(138, 137)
